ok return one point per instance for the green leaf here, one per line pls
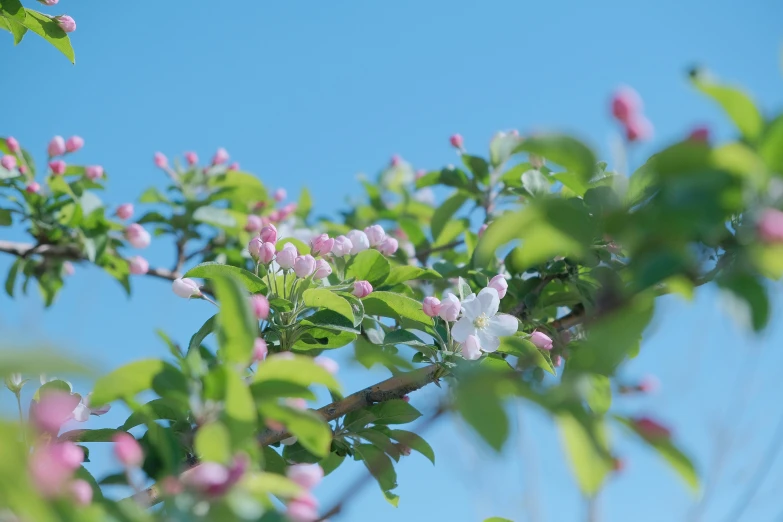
(48, 28)
(299, 454)
(564, 150)
(501, 147)
(207, 328)
(268, 390)
(239, 188)
(451, 231)
(589, 464)
(34, 360)
(217, 217)
(400, 274)
(737, 105)
(305, 204)
(153, 195)
(156, 409)
(330, 320)
(527, 353)
(17, 30)
(445, 212)
(213, 443)
(378, 464)
(136, 377)
(331, 462)
(771, 146)
(369, 265)
(6, 218)
(753, 293)
(393, 412)
(12, 9)
(328, 300)
(270, 484)
(414, 442)
(251, 282)
(237, 327)
(240, 414)
(10, 281)
(481, 407)
(311, 431)
(299, 370)
(99, 435)
(497, 519)
(478, 166)
(403, 337)
(396, 306)
(535, 183)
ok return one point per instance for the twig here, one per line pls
(424, 254)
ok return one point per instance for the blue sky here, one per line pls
(313, 94)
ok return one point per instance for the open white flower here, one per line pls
(83, 410)
(481, 319)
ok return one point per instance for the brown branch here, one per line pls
(422, 255)
(393, 388)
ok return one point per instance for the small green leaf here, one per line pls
(331, 462)
(155, 409)
(213, 443)
(99, 435)
(326, 299)
(527, 353)
(477, 166)
(535, 183)
(153, 195)
(299, 370)
(379, 465)
(396, 306)
(497, 519)
(771, 146)
(136, 377)
(251, 282)
(207, 328)
(563, 150)
(445, 212)
(393, 412)
(369, 265)
(754, 295)
(737, 105)
(6, 217)
(10, 281)
(414, 442)
(481, 407)
(217, 217)
(400, 274)
(589, 464)
(240, 414)
(48, 28)
(260, 483)
(403, 337)
(311, 431)
(237, 326)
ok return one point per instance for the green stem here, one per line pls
(285, 275)
(21, 417)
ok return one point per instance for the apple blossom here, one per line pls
(500, 284)
(268, 234)
(456, 141)
(303, 508)
(449, 307)
(161, 161)
(74, 143)
(362, 289)
(93, 172)
(207, 477)
(58, 167)
(260, 306)
(138, 265)
(220, 157)
(322, 269)
(280, 195)
(127, 450)
(81, 492)
(8, 162)
(327, 363)
(541, 340)
(480, 318)
(626, 103)
(13, 144)
(638, 128)
(701, 133)
(471, 348)
(651, 429)
(321, 245)
(359, 241)
(191, 157)
(254, 223)
(125, 211)
(66, 23)
(770, 226)
(53, 410)
(234, 166)
(287, 256)
(56, 147)
(51, 466)
(431, 306)
(306, 475)
(186, 288)
(388, 246)
(137, 236)
(260, 349)
(266, 253)
(287, 211)
(375, 234)
(83, 410)
(342, 246)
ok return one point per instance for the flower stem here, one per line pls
(21, 418)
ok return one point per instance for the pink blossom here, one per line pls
(471, 348)
(287, 256)
(83, 410)
(23, 169)
(53, 410)
(127, 450)
(220, 157)
(421, 173)
(74, 143)
(280, 195)
(456, 141)
(321, 245)
(638, 128)
(8, 162)
(302, 509)
(304, 265)
(234, 166)
(207, 477)
(137, 236)
(58, 167)
(541, 340)
(266, 253)
(254, 223)
(81, 492)
(191, 158)
(125, 211)
(359, 241)
(52, 466)
(342, 246)
(500, 284)
(260, 306)
(66, 23)
(268, 234)
(49, 2)
(161, 161)
(260, 350)
(186, 288)
(56, 147)
(327, 363)
(362, 289)
(306, 475)
(94, 172)
(651, 429)
(431, 306)
(68, 268)
(701, 133)
(626, 103)
(450, 307)
(406, 398)
(482, 229)
(287, 210)
(388, 246)
(138, 265)
(395, 160)
(274, 425)
(322, 269)
(770, 226)
(33, 187)
(557, 360)
(375, 234)
(254, 247)
(13, 144)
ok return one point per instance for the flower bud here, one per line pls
(649, 384)
(651, 429)
(138, 265)
(375, 234)
(81, 492)
(342, 246)
(234, 166)
(254, 247)
(14, 382)
(260, 350)
(395, 160)
(431, 306)
(207, 477)
(638, 128)
(56, 147)
(260, 306)
(701, 134)
(266, 253)
(161, 161)
(298, 510)
(287, 210)
(127, 450)
(8, 162)
(322, 269)
(33, 187)
(541, 340)
(770, 226)
(186, 288)
(191, 158)
(328, 364)
(287, 256)
(359, 241)
(306, 475)
(137, 236)
(449, 307)
(362, 289)
(268, 234)
(321, 245)
(500, 284)
(66, 23)
(13, 144)
(471, 348)
(304, 265)
(49, 2)
(23, 169)
(406, 398)
(125, 211)
(254, 223)
(220, 157)
(68, 268)
(94, 172)
(74, 143)
(58, 167)
(626, 103)
(280, 195)
(456, 141)
(52, 466)
(388, 246)
(52, 411)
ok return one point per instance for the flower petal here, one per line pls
(489, 342)
(502, 325)
(471, 307)
(471, 349)
(463, 329)
(490, 301)
(81, 413)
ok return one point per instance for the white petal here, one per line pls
(489, 301)
(471, 307)
(471, 349)
(489, 343)
(502, 325)
(463, 329)
(81, 413)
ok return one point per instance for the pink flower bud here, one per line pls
(500, 284)
(234, 166)
(304, 265)
(388, 246)
(53, 465)
(81, 492)
(280, 195)
(456, 141)
(161, 161)
(287, 210)
(138, 265)
(125, 211)
(295, 402)
(220, 157)
(301, 511)
(274, 425)
(541, 340)
(406, 398)
(208, 477)
(700, 134)
(770, 226)
(557, 361)
(260, 306)
(66, 23)
(395, 160)
(56, 147)
(186, 288)
(58, 167)
(254, 223)
(421, 173)
(482, 229)
(8, 162)
(450, 307)
(266, 253)
(471, 348)
(268, 234)
(33, 187)
(362, 289)
(328, 364)
(359, 240)
(649, 384)
(94, 172)
(137, 236)
(127, 450)
(68, 268)
(431, 306)
(342, 246)
(191, 158)
(651, 429)
(321, 245)
(287, 256)
(638, 128)
(618, 465)
(254, 247)
(74, 143)
(23, 169)
(306, 475)
(13, 144)
(52, 411)
(260, 350)
(171, 486)
(49, 2)
(626, 103)
(322, 269)
(375, 234)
